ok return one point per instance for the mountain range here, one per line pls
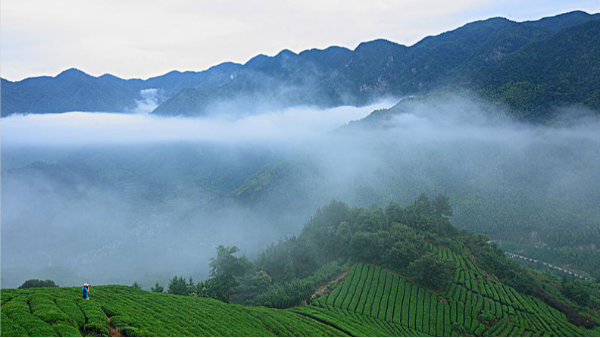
(529, 67)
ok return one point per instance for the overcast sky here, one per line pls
(146, 38)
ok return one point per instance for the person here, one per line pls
(86, 290)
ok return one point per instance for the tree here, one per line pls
(250, 286)
(36, 283)
(226, 269)
(157, 288)
(370, 220)
(369, 246)
(431, 271)
(441, 206)
(576, 291)
(136, 285)
(178, 286)
(394, 213)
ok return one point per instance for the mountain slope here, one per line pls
(74, 90)
(373, 70)
(409, 273)
(369, 302)
(560, 70)
(70, 90)
(323, 78)
(62, 312)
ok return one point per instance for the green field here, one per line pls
(370, 301)
(384, 296)
(62, 312)
(364, 300)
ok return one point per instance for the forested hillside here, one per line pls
(529, 66)
(402, 271)
(557, 71)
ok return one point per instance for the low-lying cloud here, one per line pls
(143, 186)
(77, 128)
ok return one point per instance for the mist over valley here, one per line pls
(118, 198)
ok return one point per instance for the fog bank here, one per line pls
(114, 198)
(78, 128)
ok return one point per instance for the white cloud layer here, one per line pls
(78, 128)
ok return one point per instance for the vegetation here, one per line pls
(543, 74)
(476, 289)
(157, 288)
(36, 283)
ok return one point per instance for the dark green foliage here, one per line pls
(136, 285)
(157, 288)
(486, 318)
(286, 295)
(226, 270)
(546, 73)
(494, 260)
(250, 286)
(178, 286)
(577, 291)
(291, 293)
(369, 246)
(431, 271)
(36, 283)
(441, 206)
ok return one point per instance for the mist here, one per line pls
(111, 198)
(101, 128)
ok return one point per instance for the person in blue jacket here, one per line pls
(86, 290)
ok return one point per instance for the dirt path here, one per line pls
(113, 331)
(322, 288)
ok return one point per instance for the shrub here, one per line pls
(36, 283)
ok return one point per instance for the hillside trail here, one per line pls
(322, 288)
(113, 331)
(485, 273)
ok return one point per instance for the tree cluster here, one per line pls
(37, 283)
(394, 238)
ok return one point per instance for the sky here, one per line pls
(147, 38)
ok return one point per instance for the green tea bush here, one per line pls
(96, 320)
(70, 308)
(10, 329)
(66, 330)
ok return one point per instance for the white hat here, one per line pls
(86, 284)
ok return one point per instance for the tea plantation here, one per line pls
(369, 302)
(62, 312)
(473, 304)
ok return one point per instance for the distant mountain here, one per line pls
(563, 69)
(70, 90)
(376, 69)
(74, 90)
(471, 56)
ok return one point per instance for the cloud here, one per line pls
(149, 102)
(77, 128)
(142, 193)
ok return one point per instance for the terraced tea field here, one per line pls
(370, 301)
(383, 296)
(62, 312)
